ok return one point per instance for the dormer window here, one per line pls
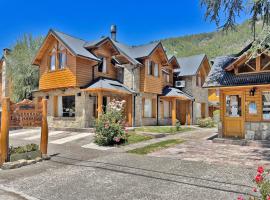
(102, 67)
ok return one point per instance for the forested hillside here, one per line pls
(213, 44)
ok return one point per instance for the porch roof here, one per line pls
(105, 84)
(176, 93)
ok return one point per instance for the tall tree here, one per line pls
(23, 76)
(225, 12)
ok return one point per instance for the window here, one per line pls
(66, 106)
(148, 108)
(53, 60)
(266, 105)
(62, 58)
(102, 67)
(152, 68)
(156, 74)
(233, 106)
(167, 109)
(252, 108)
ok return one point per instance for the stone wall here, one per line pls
(83, 109)
(257, 130)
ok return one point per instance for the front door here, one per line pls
(234, 115)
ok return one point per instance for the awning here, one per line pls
(175, 93)
(108, 85)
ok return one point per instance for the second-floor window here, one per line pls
(152, 68)
(57, 58)
(198, 80)
(102, 67)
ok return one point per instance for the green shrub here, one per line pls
(110, 127)
(23, 149)
(206, 122)
(178, 125)
(216, 116)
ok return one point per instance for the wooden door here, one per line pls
(234, 112)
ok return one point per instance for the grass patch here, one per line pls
(156, 146)
(163, 129)
(134, 138)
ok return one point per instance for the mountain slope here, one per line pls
(212, 44)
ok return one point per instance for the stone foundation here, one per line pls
(257, 130)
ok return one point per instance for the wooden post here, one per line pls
(44, 129)
(4, 136)
(100, 102)
(129, 109)
(173, 112)
(189, 113)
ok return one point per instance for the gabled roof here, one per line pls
(108, 85)
(189, 65)
(76, 45)
(175, 92)
(219, 77)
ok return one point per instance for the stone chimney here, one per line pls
(113, 32)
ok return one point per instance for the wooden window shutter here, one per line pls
(55, 106)
(143, 101)
(154, 108)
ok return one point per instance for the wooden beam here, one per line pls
(129, 110)
(100, 102)
(173, 112)
(258, 63)
(4, 136)
(44, 128)
(188, 112)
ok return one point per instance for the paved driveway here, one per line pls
(198, 148)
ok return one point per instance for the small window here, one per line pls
(233, 106)
(62, 60)
(252, 108)
(198, 80)
(150, 66)
(68, 106)
(156, 74)
(148, 108)
(52, 62)
(266, 105)
(102, 67)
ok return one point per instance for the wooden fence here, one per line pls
(21, 115)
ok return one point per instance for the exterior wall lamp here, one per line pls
(252, 91)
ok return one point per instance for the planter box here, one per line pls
(27, 156)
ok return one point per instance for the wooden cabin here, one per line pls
(79, 78)
(244, 85)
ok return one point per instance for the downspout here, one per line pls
(134, 98)
(192, 120)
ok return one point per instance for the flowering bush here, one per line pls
(262, 185)
(206, 122)
(110, 127)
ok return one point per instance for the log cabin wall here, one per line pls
(255, 127)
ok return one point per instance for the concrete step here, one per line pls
(243, 142)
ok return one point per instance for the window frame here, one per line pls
(266, 91)
(150, 114)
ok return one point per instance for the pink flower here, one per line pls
(258, 178)
(106, 125)
(240, 198)
(254, 189)
(260, 170)
(116, 139)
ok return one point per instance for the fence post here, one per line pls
(4, 136)
(44, 128)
